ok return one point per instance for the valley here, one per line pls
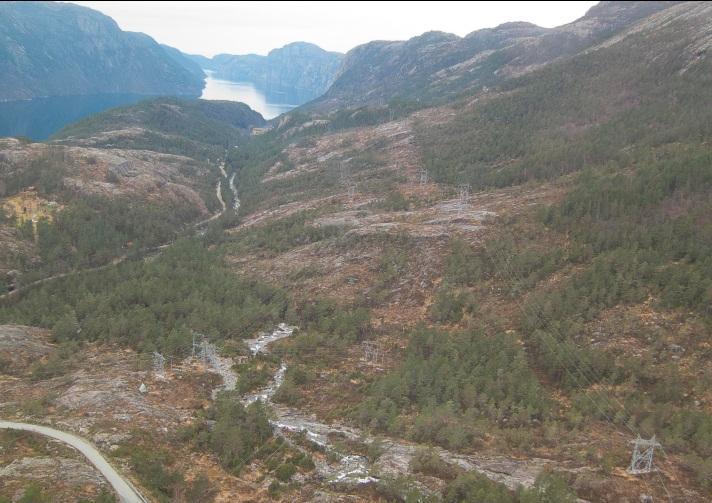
(476, 277)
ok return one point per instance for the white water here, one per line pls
(354, 470)
(236, 203)
(351, 469)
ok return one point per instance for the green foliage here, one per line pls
(342, 324)
(369, 116)
(464, 266)
(33, 494)
(201, 489)
(37, 407)
(287, 393)
(93, 231)
(251, 161)
(256, 372)
(238, 431)
(148, 306)
(394, 201)
(57, 364)
(285, 471)
(281, 235)
(473, 487)
(516, 266)
(654, 219)
(574, 114)
(66, 328)
(449, 306)
(393, 264)
(403, 489)
(451, 379)
(45, 173)
(548, 488)
(702, 469)
(151, 467)
(428, 462)
(274, 488)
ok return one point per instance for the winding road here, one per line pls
(126, 492)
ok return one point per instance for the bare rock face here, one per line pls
(139, 174)
(20, 347)
(98, 392)
(69, 471)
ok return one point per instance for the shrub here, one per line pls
(428, 462)
(475, 487)
(285, 471)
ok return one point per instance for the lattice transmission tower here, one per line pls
(643, 451)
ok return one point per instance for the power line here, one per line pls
(554, 352)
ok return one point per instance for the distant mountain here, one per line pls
(295, 73)
(203, 62)
(60, 49)
(435, 67)
(185, 61)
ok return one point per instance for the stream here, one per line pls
(353, 469)
(236, 200)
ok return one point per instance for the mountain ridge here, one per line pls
(436, 66)
(56, 49)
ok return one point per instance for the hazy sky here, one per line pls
(210, 28)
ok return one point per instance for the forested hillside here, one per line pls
(496, 252)
(115, 184)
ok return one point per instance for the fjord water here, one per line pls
(39, 118)
(245, 92)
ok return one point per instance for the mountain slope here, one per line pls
(187, 62)
(561, 309)
(532, 328)
(197, 128)
(435, 67)
(58, 49)
(124, 180)
(640, 88)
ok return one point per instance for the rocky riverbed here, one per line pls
(353, 469)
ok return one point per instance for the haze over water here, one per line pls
(218, 89)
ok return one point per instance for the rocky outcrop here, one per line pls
(68, 471)
(21, 346)
(138, 174)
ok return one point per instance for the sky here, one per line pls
(210, 28)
